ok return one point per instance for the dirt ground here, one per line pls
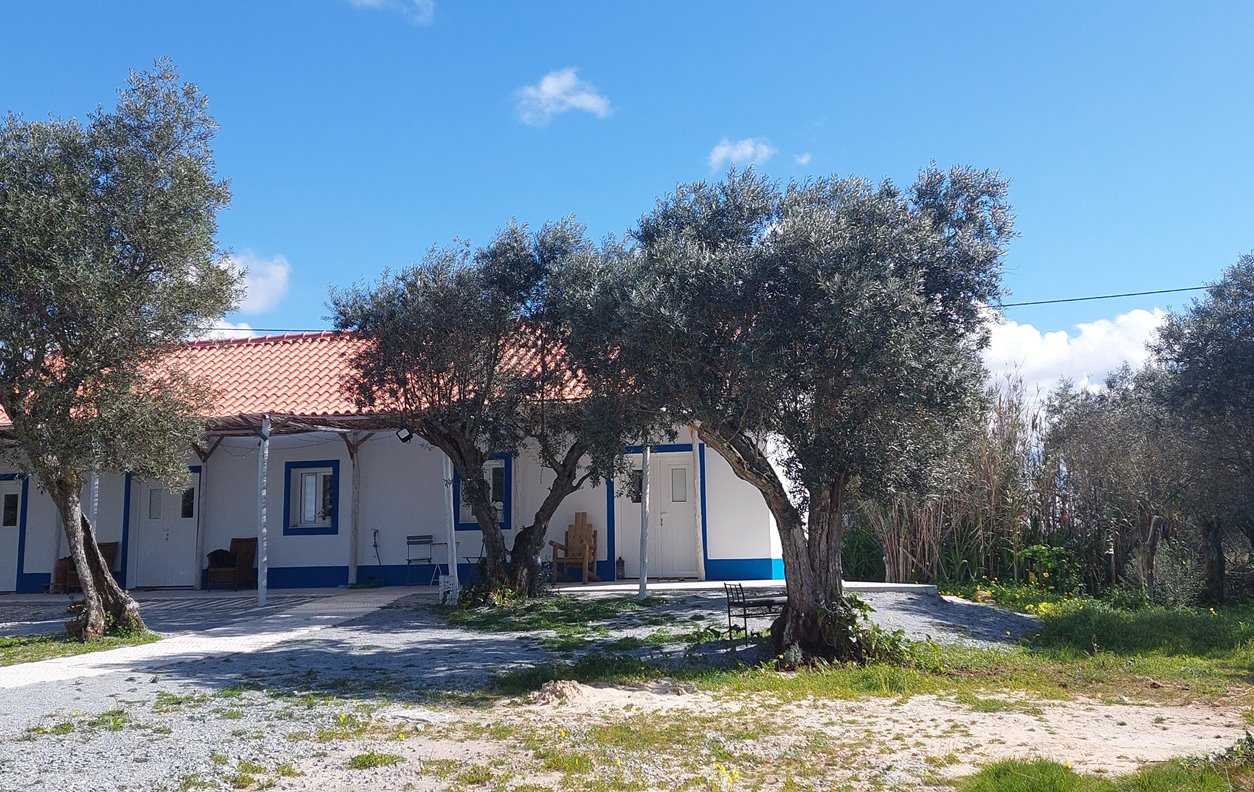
(708, 742)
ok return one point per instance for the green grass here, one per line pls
(575, 621)
(1042, 775)
(370, 759)
(30, 648)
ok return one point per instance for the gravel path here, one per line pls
(195, 720)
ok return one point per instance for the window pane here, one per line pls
(328, 493)
(635, 482)
(189, 503)
(308, 497)
(9, 519)
(498, 483)
(679, 485)
(154, 504)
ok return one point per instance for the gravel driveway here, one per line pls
(195, 720)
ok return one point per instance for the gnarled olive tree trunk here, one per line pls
(105, 605)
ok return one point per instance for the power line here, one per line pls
(1101, 297)
(1002, 305)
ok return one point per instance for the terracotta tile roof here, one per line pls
(293, 374)
(297, 374)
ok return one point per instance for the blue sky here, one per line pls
(357, 133)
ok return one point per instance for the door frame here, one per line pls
(127, 496)
(611, 512)
(20, 571)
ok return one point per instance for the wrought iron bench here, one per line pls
(742, 607)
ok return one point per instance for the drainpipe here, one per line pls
(263, 459)
(644, 523)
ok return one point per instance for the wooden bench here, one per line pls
(742, 607)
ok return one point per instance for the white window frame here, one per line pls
(465, 514)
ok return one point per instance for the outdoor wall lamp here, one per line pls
(404, 435)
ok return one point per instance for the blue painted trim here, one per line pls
(507, 503)
(21, 532)
(126, 528)
(744, 569)
(336, 576)
(33, 582)
(664, 448)
(334, 527)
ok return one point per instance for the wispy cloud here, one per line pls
(1086, 356)
(748, 151)
(418, 12)
(803, 158)
(228, 330)
(556, 93)
(265, 280)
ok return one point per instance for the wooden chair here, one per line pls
(234, 567)
(68, 573)
(579, 551)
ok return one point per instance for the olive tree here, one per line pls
(820, 337)
(1207, 356)
(473, 350)
(107, 256)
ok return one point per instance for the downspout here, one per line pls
(263, 460)
(698, 516)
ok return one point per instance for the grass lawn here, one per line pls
(29, 648)
(1233, 771)
(1084, 648)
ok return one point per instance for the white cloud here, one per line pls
(1085, 356)
(558, 92)
(227, 330)
(265, 280)
(418, 12)
(803, 158)
(749, 151)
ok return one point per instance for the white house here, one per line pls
(704, 522)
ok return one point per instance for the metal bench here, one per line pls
(742, 607)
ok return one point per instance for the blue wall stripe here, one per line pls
(126, 528)
(21, 531)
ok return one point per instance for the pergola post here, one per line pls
(644, 522)
(354, 442)
(263, 459)
(451, 524)
(203, 455)
(696, 501)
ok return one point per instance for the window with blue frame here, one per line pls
(311, 497)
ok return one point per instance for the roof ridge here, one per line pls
(264, 339)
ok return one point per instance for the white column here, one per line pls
(263, 459)
(644, 522)
(354, 443)
(200, 520)
(450, 523)
(696, 501)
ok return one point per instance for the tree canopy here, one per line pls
(107, 257)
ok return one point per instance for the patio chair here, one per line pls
(65, 574)
(420, 549)
(579, 551)
(234, 567)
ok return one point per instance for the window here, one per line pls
(154, 503)
(312, 502)
(679, 485)
(494, 472)
(9, 510)
(188, 509)
(635, 485)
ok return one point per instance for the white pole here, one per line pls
(452, 529)
(95, 501)
(200, 520)
(696, 501)
(263, 459)
(354, 443)
(644, 522)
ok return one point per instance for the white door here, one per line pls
(165, 542)
(676, 527)
(672, 526)
(10, 525)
